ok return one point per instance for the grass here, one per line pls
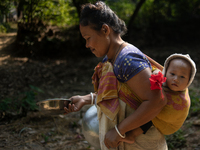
(176, 140)
(195, 101)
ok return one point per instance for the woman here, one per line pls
(126, 102)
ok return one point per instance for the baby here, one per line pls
(179, 70)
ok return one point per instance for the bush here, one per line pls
(176, 140)
(195, 102)
(19, 105)
(2, 29)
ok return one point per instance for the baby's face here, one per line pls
(178, 74)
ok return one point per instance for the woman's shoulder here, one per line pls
(130, 49)
(130, 53)
(129, 62)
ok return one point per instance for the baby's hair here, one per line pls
(98, 14)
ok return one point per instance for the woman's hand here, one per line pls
(77, 102)
(112, 139)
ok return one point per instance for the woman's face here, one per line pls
(178, 74)
(96, 41)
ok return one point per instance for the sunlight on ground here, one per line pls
(7, 38)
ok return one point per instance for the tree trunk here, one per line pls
(138, 6)
(78, 3)
(19, 8)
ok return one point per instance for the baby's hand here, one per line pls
(131, 135)
(129, 138)
(156, 71)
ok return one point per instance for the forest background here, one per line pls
(42, 55)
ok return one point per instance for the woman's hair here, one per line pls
(98, 14)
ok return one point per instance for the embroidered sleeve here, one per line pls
(129, 65)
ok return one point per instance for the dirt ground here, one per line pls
(58, 78)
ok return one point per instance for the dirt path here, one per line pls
(5, 40)
(56, 78)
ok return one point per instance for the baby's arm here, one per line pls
(155, 71)
(131, 135)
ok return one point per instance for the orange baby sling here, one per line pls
(175, 112)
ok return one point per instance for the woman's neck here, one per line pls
(115, 47)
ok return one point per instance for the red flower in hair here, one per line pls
(156, 81)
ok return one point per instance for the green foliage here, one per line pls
(123, 8)
(184, 9)
(156, 11)
(4, 28)
(195, 101)
(27, 102)
(5, 103)
(4, 7)
(24, 102)
(67, 14)
(59, 12)
(176, 140)
(45, 137)
(160, 11)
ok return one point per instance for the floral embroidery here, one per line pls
(178, 103)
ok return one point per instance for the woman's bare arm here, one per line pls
(152, 102)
